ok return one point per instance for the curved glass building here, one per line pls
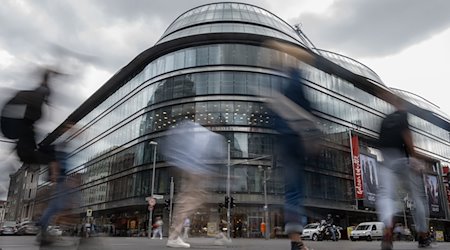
(211, 66)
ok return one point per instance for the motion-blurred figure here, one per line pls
(191, 148)
(186, 228)
(157, 228)
(400, 168)
(294, 123)
(19, 116)
(18, 119)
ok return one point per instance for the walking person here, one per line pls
(18, 118)
(186, 228)
(292, 118)
(157, 228)
(399, 167)
(190, 147)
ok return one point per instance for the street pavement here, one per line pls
(125, 243)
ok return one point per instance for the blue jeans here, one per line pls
(291, 158)
(396, 172)
(56, 204)
(59, 202)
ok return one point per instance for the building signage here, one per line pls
(369, 174)
(359, 189)
(432, 192)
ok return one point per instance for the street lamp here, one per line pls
(150, 219)
(266, 208)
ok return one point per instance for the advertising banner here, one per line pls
(369, 178)
(359, 188)
(432, 191)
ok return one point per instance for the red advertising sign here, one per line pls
(359, 189)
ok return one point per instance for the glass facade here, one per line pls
(219, 86)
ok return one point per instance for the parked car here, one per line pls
(9, 228)
(311, 231)
(27, 228)
(368, 231)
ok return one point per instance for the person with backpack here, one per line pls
(400, 168)
(17, 122)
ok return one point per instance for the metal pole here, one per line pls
(150, 219)
(228, 193)
(171, 200)
(266, 208)
(404, 210)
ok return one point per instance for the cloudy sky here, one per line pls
(404, 41)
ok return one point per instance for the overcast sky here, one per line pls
(406, 42)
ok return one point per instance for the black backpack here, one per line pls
(22, 110)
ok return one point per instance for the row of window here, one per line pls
(243, 145)
(246, 179)
(228, 28)
(207, 83)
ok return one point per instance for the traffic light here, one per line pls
(227, 200)
(167, 203)
(232, 202)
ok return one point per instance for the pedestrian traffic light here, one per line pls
(232, 202)
(227, 200)
(167, 203)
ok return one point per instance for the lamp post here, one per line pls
(150, 219)
(266, 207)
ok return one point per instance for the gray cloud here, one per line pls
(375, 28)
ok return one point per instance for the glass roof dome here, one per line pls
(230, 17)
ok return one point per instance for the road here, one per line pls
(121, 243)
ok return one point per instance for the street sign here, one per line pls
(158, 196)
(155, 196)
(89, 212)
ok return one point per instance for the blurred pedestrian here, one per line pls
(186, 228)
(262, 228)
(191, 147)
(18, 119)
(294, 123)
(157, 228)
(400, 168)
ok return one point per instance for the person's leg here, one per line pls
(56, 204)
(390, 174)
(333, 233)
(421, 211)
(385, 202)
(190, 198)
(294, 216)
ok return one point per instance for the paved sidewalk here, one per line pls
(125, 243)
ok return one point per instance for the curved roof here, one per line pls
(230, 17)
(420, 102)
(350, 64)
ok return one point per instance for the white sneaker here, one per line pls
(178, 243)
